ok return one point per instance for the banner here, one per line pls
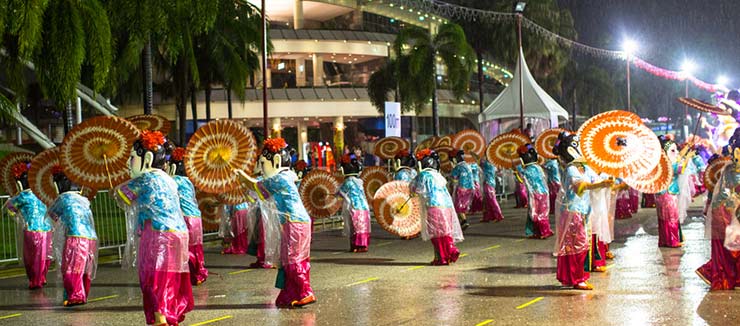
(392, 119)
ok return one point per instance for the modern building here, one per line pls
(324, 53)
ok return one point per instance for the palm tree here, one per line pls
(448, 46)
(228, 53)
(65, 39)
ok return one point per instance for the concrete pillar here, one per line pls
(318, 70)
(275, 127)
(298, 14)
(338, 136)
(268, 82)
(302, 131)
(300, 72)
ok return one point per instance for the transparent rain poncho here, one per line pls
(157, 233)
(573, 224)
(75, 239)
(224, 223)
(722, 216)
(354, 199)
(686, 190)
(437, 212)
(29, 213)
(600, 216)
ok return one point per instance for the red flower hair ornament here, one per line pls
(423, 153)
(151, 140)
(178, 154)
(275, 145)
(20, 168)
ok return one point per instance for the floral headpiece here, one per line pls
(402, 153)
(152, 140)
(423, 153)
(57, 169)
(20, 168)
(275, 145)
(177, 154)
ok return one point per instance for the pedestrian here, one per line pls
(533, 177)
(75, 239)
(192, 216)
(159, 235)
(355, 209)
(30, 214)
(439, 224)
(278, 186)
(491, 208)
(573, 240)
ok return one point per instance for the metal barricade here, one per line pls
(8, 246)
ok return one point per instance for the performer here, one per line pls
(552, 169)
(236, 229)
(648, 200)
(264, 234)
(602, 222)
(463, 185)
(477, 204)
(710, 194)
(355, 210)
(439, 221)
(405, 166)
(721, 271)
(33, 227)
(295, 246)
(159, 237)
(520, 193)
(623, 208)
(573, 243)
(191, 214)
(700, 167)
(492, 210)
(75, 240)
(667, 201)
(538, 221)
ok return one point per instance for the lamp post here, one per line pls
(688, 67)
(265, 125)
(629, 47)
(519, 10)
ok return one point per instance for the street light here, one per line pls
(519, 10)
(723, 80)
(629, 47)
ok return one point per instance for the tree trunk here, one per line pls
(480, 81)
(228, 102)
(181, 92)
(147, 75)
(435, 113)
(194, 107)
(208, 102)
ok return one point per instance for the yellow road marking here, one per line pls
(530, 303)
(241, 271)
(520, 240)
(415, 268)
(492, 247)
(10, 316)
(364, 281)
(463, 255)
(609, 266)
(384, 244)
(485, 322)
(213, 320)
(103, 298)
(338, 252)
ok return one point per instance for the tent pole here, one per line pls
(521, 70)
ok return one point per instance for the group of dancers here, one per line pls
(166, 238)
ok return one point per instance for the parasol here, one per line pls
(396, 211)
(443, 141)
(713, 172)
(215, 150)
(545, 142)
(445, 163)
(372, 179)
(702, 106)
(427, 143)
(618, 144)
(318, 192)
(6, 170)
(387, 147)
(657, 180)
(471, 141)
(502, 149)
(339, 176)
(95, 153)
(151, 122)
(235, 196)
(41, 178)
(210, 208)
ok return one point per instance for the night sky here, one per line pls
(667, 31)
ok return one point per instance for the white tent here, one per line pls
(537, 103)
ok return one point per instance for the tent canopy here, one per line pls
(537, 103)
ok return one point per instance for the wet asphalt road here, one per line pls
(502, 279)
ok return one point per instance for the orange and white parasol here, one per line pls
(714, 171)
(153, 122)
(6, 170)
(373, 178)
(396, 211)
(501, 150)
(318, 192)
(545, 142)
(656, 180)
(471, 141)
(387, 147)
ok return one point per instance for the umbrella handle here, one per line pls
(107, 170)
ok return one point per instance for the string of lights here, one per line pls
(456, 12)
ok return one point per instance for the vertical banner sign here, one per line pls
(392, 119)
